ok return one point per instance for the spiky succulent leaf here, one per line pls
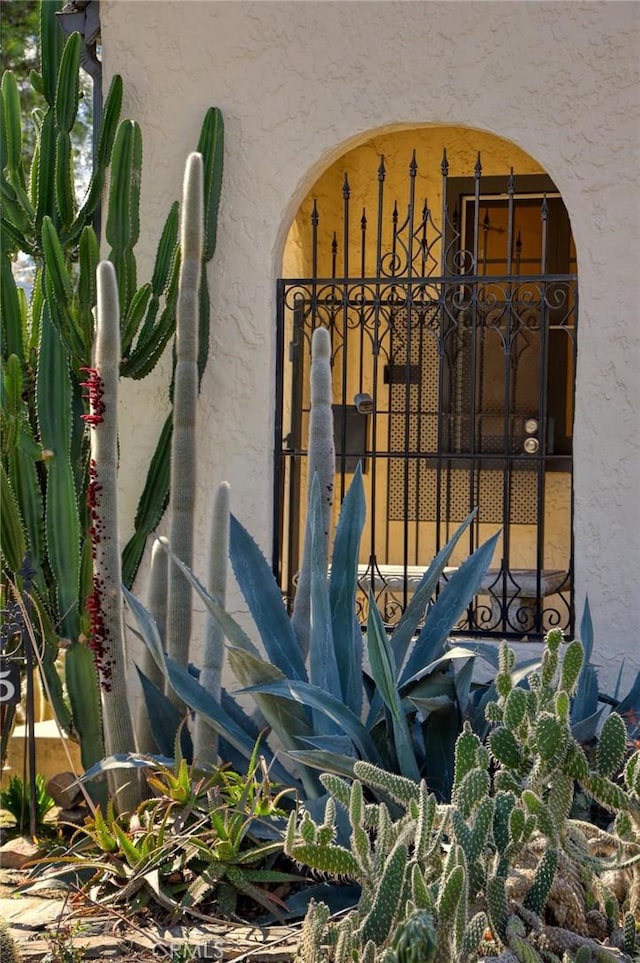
(467, 746)
(505, 748)
(473, 788)
(552, 739)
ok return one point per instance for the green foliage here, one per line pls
(199, 840)
(16, 800)
(63, 945)
(47, 337)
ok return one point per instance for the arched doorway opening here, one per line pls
(442, 262)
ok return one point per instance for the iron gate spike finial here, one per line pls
(346, 190)
(315, 217)
(544, 210)
(444, 166)
(478, 168)
(395, 212)
(382, 171)
(511, 183)
(363, 219)
(413, 166)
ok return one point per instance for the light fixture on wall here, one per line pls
(363, 403)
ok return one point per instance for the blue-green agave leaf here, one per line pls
(450, 655)
(347, 634)
(586, 632)
(318, 699)
(232, 631)
(383, 670)
(288, 721)
(585, 702)
(196, 697)
(414, 612)
(124, 760)
(264, 600)
(629, 707)
(164, 719)
(325, 761)
(584, 730)
(148, 630)
(339, 744)
(454, 598)
(440, 732)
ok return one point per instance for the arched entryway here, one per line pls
(442, 262)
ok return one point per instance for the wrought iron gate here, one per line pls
(453, 345)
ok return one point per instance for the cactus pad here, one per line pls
(612, 745)
(536, 898)
(515, 709)
(377, 924)
(552, 739)
(572, 666)
(504, 747)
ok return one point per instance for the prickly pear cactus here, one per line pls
(503, 870)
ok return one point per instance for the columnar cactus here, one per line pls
(107, 638)
(321, 463)
(158, 572)
(205, 741)
(183, 448)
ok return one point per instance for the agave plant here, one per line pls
(316, 707)
(47, 342)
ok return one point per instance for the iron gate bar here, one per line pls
(394, 312)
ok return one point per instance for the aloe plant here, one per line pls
(45, 479)
(201, 843)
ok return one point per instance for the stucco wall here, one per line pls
(301, 82)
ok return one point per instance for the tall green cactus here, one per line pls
(205, 740)
(158, 572)
(106, 606)
(321, 464)
(51, 335)
(185, 395)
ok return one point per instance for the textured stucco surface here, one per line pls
(301, 82)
